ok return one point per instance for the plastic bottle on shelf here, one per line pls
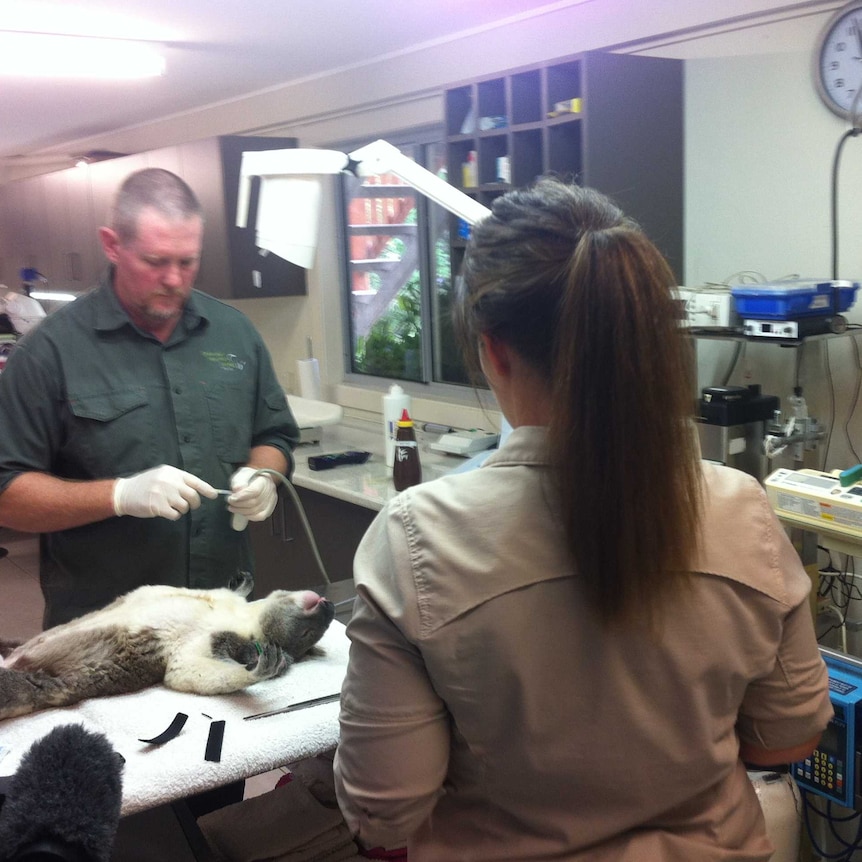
(407, 469)
(470, 171)
(395, 402)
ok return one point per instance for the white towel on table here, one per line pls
(155, 774)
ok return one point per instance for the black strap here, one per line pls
(171, 732)
(214, 742)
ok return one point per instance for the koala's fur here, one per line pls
(201, 641)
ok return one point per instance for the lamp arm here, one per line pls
(285, 196)
(380, 157)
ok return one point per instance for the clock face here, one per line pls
(838, 63)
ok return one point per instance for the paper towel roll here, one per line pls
(309, 378)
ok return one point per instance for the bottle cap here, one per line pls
(405, 421)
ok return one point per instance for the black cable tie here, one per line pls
(172, 731)
(214, 742)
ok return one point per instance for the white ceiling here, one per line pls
(216, 50)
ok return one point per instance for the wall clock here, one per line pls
(838, 61)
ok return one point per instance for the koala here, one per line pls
(199, 641)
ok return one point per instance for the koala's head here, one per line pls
(295, 621)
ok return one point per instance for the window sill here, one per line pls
(457, 410)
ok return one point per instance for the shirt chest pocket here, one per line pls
(231, 409)
(112, 433)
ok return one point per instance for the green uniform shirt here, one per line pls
(87, 395)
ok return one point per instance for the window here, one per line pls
(399, 276)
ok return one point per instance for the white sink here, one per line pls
(314, 414)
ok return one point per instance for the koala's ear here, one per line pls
(242, 583)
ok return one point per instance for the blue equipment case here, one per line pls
(792, 299)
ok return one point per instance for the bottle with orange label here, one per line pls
(406, 470)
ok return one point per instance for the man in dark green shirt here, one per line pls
(124, 412)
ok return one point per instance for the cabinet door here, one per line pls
(253, 273)
(71, 229)
(14, 228)
(84, 262)
(200, 167)
(642, 169)
(37, 234)
(7, 266)
(284, 559)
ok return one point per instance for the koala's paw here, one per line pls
(272, 661)
(6, 647)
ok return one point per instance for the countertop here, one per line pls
(368, 484)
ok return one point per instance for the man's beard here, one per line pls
(162, 314)
(159, 314)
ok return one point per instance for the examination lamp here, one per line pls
(288, 209)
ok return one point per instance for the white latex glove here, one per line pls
(252, 499)
(161, 492)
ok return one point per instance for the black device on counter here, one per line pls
(337, 459)
(735, 405)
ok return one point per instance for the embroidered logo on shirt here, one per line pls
(225, 361)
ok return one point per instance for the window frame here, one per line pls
(465, 394)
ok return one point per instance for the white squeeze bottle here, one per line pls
(394, 403)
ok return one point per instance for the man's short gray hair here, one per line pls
(152, 188)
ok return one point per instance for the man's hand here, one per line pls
(252, 499)
(161, 492)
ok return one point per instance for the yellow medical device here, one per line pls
(818, 501)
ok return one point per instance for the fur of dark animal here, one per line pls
(201, 641)
(64, 799)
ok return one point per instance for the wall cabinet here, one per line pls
(284, 559)
(51, 222)
(610, 121)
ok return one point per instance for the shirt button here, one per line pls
(178, 390)
(187, 438)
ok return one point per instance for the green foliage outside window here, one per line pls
(393, 347)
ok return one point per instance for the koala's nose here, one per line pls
(309, 600)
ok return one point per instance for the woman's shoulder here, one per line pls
(743, 540)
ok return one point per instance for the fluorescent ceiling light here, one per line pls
(46, 55)
(50, 296)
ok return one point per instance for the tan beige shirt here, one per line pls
(487, 716)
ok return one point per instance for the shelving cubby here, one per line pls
(625, 139)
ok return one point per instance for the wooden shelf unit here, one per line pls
(626, 140)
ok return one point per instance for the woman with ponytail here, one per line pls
(574, 651)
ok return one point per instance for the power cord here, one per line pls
(850, 133)
(855, 403)
(849, 848)
(301, 512)
(839, 589)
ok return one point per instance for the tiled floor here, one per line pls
(21, 608)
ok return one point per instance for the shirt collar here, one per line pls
(527, 444)
(110, 315)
